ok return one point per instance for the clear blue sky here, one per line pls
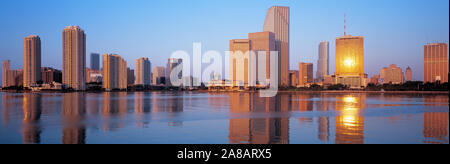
(394, 30)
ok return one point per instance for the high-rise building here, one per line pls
(259, 42)
(95, 61)
(392, 74)
(171, 64)
(6, 66)
(306, 71)
(74, 58)
(143, 71)
(114, 72)
(131, 78)
(350, 61)
(93, 76)
(159, 74)
(435, 63)
(277, 21)
(31, 60)
(374, 79)
(15, 78)
(408, 74)
(50, 75)
(323, 64)
(240, 62)
(293, 78)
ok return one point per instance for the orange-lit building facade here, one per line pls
(350, 61)
(306, 74)
(392, 74)
(74, 58)
(31, 60)
(240, 62)
(435, 63)
(263, 41)
(408, 74)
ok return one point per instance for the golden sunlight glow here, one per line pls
(349, 63)
(349, 99)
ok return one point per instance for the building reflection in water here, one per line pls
(73, 114)
(323, 121)
(32, 109)
(435, 125)
(114, 108)
(257, 130)
(349, 122)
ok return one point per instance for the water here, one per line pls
(223, 118)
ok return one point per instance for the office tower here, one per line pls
(50, 75)
(323, 66)
(293, 78)
(408, 74)
(350, 61)
(392, 74)
(15, 78)
(114, 72)
(306, 77)
(277, 21)
(263, 41)
(171, 64)
(159, 74)
(143, 71)
(240, 62)
(6, 66)
(131, 79)
(31, 60)
(435, 63)
(74, 58)
(95, 61)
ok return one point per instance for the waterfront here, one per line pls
(223, 118)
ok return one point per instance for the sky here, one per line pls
(394, 31)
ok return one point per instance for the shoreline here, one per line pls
(282, 91)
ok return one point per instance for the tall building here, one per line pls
(408, 74)
(277, 21)
(240, 62)
(293, 78)
(143, 71)
(131, 78)
(6, 66)
(74, 58)
(14, 78)
(435, 63)
(306, 71)
(323, 66)
(95, 61)
(159, 74)
(50, 75)
(114, 72)
(392, 74)
(350, 61)
(31, 60)
(263, 41)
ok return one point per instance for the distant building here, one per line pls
(324, 60)
(293, 78)
(143, 71)
(50, 75)
(392, 74)
(408, 74)
(278, 22)
(131, 78)
(329, 80)
(374, 79)
(114, 72)
(6, 66)
(171, 64)
(435, 63)
(350, 61)
(95, 61)
(159, 74)
(306, 77)
(31, 60)
(15, 78)
(92, 76)
(74, 58)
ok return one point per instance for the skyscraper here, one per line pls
(114, 72)
(159, 74)
(263, 41)
(392, 74)
(408, 74)
(31, 60)
(323, 66)
(74, 58)
(350, 61)
(131, 78)
(143, 71)
(277, 21)
(240, 62)
(6, 66)
(95, 61)
(306, 76)
(435, 62)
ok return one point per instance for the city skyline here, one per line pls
(299, 53)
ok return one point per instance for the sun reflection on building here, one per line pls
(349, 122)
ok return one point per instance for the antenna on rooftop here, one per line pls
(345, 24)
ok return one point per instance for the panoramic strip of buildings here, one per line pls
(253, 62)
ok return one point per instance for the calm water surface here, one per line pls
(235, 118)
